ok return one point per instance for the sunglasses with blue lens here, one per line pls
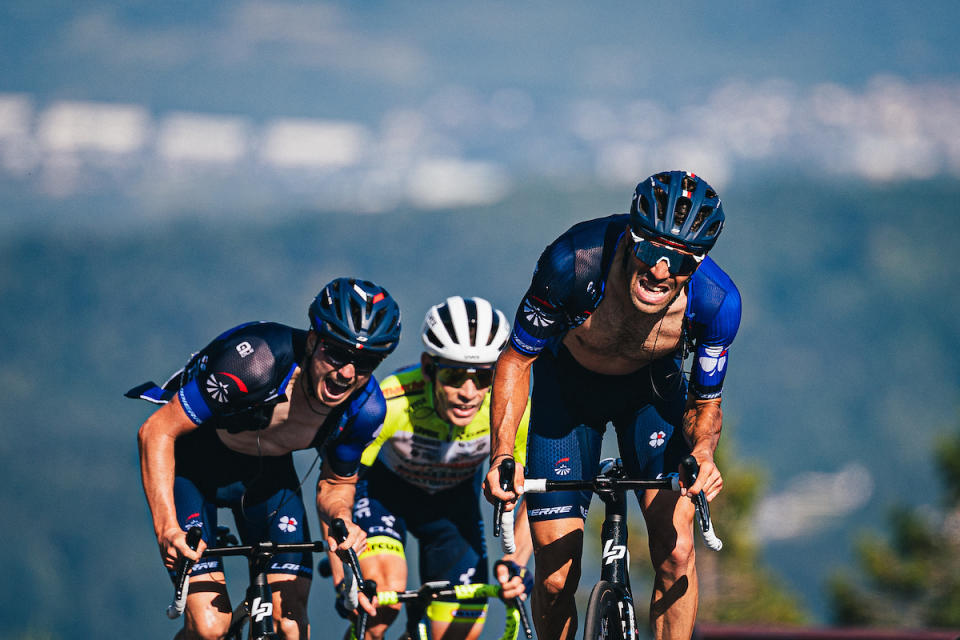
(651, 251)
(456, 375)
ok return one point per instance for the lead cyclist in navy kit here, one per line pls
(615, 306)
(229, 422)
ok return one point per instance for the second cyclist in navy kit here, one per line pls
(615, 306)
(229, 422)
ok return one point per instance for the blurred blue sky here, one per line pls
(368, 106)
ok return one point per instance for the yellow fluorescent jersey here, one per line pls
(424, 450)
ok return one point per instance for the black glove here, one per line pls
(517, 570)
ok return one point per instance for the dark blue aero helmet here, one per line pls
(678, 207)
(357, 313)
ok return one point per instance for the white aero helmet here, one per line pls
(467, 330)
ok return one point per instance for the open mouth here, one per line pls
(335, 389)
(652, 293)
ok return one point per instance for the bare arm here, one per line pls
(156, 440)
(511, 388)
(335, 496)
(702, 422)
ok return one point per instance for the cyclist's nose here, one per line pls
(348, 370)
(660, 271)
(468, 389)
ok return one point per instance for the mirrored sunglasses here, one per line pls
(457, 375)
(339, 356)
(650, 252)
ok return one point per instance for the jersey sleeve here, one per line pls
(542, 314)
(230, 375)
(362, 424)
(719, 311)
(392, 391)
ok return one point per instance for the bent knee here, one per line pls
(209, 628)
(678, 558)
(292, 628)
(564, 580)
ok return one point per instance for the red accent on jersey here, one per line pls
(240, 384)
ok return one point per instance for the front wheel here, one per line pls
(609, 613)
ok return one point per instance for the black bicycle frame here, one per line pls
(613, 537)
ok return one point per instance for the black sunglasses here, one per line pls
(339, 356)
(456, 375)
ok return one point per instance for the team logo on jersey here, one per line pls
(535, 316)
(561, 468)
(713, 360)
(657, 438)
(219, 390)
(288, 524)
(244, 349)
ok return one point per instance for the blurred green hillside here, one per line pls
(847, 352)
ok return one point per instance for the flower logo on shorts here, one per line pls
(288, 524)
(657, 438)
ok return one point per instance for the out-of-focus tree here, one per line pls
(910, 577)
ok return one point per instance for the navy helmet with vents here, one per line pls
(357, 313)
(679, 208)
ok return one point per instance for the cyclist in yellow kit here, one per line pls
(422, 474)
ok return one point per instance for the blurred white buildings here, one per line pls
(461, 148)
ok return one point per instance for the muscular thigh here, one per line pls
(279, 517)
(290, 594)
(449, 528)
(384, 559)
(564, 438)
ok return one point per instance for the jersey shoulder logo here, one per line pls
(535, 315)
(219, 390)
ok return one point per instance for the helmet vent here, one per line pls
(681, 211)
(356, 316)
(471, 308)
(714, 229)
(434, 340)
(493, 329)
(644, 204)
(447, 320)
(378, 318)
(702, 215)
(661, 197)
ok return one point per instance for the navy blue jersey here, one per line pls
(235, 382)
(568, 285)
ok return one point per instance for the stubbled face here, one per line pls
(652, 287)
(455, 405)
(334, 381)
